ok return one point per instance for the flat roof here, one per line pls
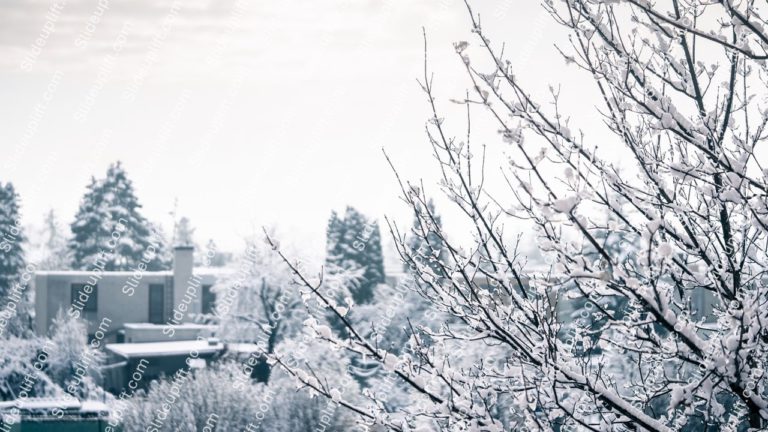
(86, 273)
(40, 404)
(245, 348)
(182, 326)
(201, 271)
(160, 349)
(213, 270)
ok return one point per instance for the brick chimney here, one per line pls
(183, 261)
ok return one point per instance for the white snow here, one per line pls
(148, 326)
(667, 121)
(92, 406)
(158, 349)
(245, 348)
(43, 404)
(335, 395)
(324, 331)
(390, 362)
(565, 205)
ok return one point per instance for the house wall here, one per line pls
(40, 290)
(53, 292)
(123, 297)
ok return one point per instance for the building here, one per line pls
(143, 320)
(132, 366)
(109, 300)
(54, 415)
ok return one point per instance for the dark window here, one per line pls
(209, 299)
(84, 296)
(156, 303)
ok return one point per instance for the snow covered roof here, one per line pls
(159, 349)
(213, 270)
(150, 326)
(86, 273)
(33, 404)
(45, 404)
(245, 348)
(92, 406)
(202, 271)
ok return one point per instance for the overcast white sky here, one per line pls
(250, 112)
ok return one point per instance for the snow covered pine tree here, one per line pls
(684, 90)
(15, 272)
(52, 245)
(12, 237)
(354, 243)
(425, 242)
(185, 234)
(104, 205)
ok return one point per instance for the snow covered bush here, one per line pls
(218, 396)
(187, 403)
(682, 342)
(256, 303)
(64, 363)
(23, 366)
(295, 410)
(74, 362)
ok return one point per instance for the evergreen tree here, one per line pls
(354, 243)
(12, 238)
(427, 249)
(333, 235)
(110, 209)
(15, 274)
(165, 250)
(215, 257)
(184, 233)
(53, 251)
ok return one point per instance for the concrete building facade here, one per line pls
(121, 297)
